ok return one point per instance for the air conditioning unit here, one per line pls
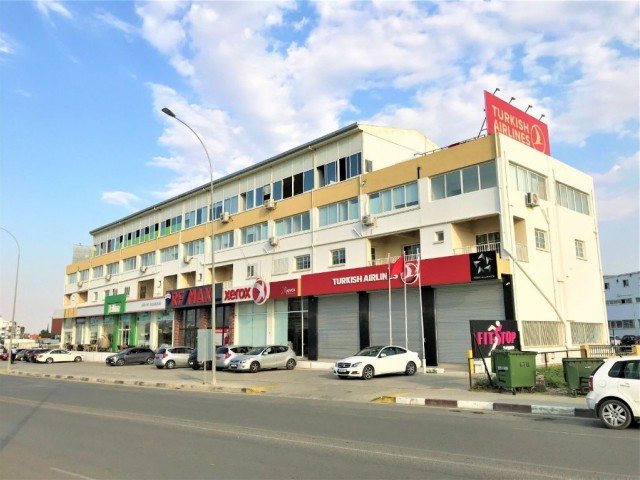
(273, 241)
(186, 259)
(143, 268)
(224, 218)
(532, 199)
(369, 220)
(270, 204)
(107, 277)
(79, 283)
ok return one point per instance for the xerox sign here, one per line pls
(508, 120)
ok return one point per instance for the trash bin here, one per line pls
(577, 372)
(514, 369)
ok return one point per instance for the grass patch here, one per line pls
(553, 380)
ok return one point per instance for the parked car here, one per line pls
(172, 357)
(31, 355)
(194, 363)
(614, 391)
(131, 356)
(377, 360)
(264, 357)
(4, 356)
(58, 355)
(226, 353)
(630, 340)
(20, 352)
(614, 340)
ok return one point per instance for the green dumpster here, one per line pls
(577, 372)
(514, 369)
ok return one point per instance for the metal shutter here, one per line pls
(455, 306)
(379, 318)
(338, 333)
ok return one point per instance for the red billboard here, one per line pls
(506, 119)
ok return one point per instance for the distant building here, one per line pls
(622, 294)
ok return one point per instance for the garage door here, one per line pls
(338, 333)
(379, 319)
(455, 306)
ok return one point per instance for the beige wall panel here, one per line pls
(457, 157)
(336, 193)
(196, 233)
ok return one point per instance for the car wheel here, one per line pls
(368, 372)
(411, 369)
(615, 414)
(159, 367)
(77, 359)
(49, 360)
(170, 364)
(195, 366)
(120, 362)
(254, 367)
(291, 364)
(149, 361)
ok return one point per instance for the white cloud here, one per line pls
(48, 6)
(618, 191)
(6, 46)
(114, 22)
(123, 199)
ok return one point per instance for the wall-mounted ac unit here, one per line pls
(107, 277)
(186, 259)
(270, 204)
(273, 241)
(224, 218)
(532, 199)
(143, 268)
(79, 283)
(369, 220)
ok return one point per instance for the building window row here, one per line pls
(466, 180)
(572, 199)
(394, 198)
(525, 181)
(622, 324)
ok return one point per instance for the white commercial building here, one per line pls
(487, 229)
(622, 294)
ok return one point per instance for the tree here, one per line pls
(45, 334)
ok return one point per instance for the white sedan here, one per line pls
(377, 360)
(59, 356)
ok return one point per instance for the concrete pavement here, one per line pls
(447, 386)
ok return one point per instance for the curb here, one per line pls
(490, 406)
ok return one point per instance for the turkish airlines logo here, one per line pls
(260, 292)
(410, 273)
(538, 139)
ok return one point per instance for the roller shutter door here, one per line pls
(455, 306)
(379, 318)
(338, 333)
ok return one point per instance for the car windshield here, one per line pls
(255, 351)
(369, 352)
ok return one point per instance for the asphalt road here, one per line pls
(51, 429)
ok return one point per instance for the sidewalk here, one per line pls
(313, 380)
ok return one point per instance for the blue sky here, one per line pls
(83, 141)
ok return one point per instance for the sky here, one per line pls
(83, 141)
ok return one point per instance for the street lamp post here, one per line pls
(213, 265)
(15, 295)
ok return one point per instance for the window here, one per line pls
(572, 199)
(148, 259)
(293, 224)
(625, 283)
(190, 219)
(394, 198)
(129, 264)
(223, 240)
(252, 270)
(339, 212)
(169, 254)
(253, 233)
(194, 248)
(303, 262)
(338, 257)
(201, 215)
(127, 291)
(340, 170)
(280, 265)
(527, 181)
(469, 179)
(95, 296)
(71, 278)
(98, 272)
(486, 242)
(84, 275)
(580, 251)
(411, 249)
(113, 268)
(439, 237)
(606, 285)
(541, 239)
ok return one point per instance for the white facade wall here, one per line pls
(618, 288)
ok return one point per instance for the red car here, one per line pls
(4, 356)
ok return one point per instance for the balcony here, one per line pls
(485, 247)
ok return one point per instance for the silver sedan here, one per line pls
(263, 358)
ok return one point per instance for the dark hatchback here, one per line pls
(132, 356)
(630, 340)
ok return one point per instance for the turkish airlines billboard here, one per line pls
(506, 119)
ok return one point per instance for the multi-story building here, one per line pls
(622, 294)
(304, 242)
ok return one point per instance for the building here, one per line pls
(622, 294)
(367, 235)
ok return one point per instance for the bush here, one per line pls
(553, 376)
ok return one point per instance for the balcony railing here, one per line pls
(391, 260)
(484, 247)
